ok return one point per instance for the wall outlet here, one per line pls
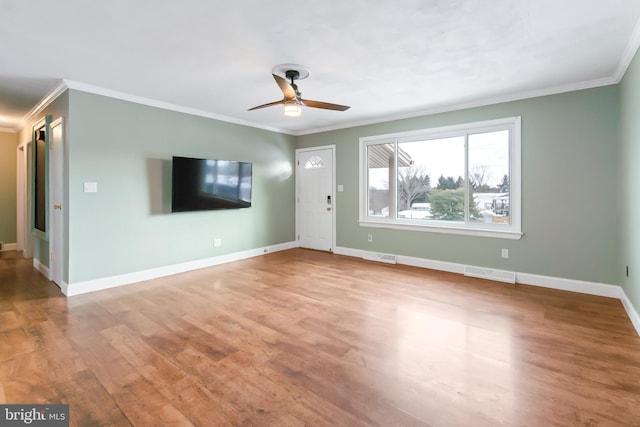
(505, 253)
(217, 243)
(369, 238)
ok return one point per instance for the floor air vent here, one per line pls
(389, 259)
(487, 273)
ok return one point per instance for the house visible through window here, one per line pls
(462, 179)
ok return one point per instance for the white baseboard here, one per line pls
(581, 286)
(41, 268)
(631, 310)
(6, 247)
(591, 288)
(584, 287)
(154, 273)
(64, 287)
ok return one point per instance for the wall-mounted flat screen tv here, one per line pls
(204, 184)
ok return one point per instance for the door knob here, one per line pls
(57, 206)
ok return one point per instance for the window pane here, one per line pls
(379, 164)
(431, 181)
(489, 177)
(314, 162)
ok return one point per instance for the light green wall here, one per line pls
(570, 189)
(8, 165)
(127, 149)
(630, 170)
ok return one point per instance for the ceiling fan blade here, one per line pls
(324, 105)
(267, 105)
(285, 87)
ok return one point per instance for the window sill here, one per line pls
(465, 231)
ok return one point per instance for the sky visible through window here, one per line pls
(445, 157)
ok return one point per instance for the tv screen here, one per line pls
(203, 184)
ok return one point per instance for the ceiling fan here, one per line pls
(293, 101)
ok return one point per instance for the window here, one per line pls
(314, 162)
(462, 179)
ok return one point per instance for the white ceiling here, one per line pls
(386, 59)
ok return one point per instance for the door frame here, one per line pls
(23, 199)
(56, 234)
(331, 147)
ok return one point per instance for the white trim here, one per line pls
(56, 236)
(513, 230)
(631, 310)
(9, 247)
(44, 103)
(556, 90)
(96, 90)
(589, 84)
(154, 273)
(431, 264)
(386, 258)
(450, 267)
(43, 269)
(64, 287)
(356, 253)
(491, 274)
(23, 198)
(571, 285)
(466, 231)
(629, 53)
(446, 131)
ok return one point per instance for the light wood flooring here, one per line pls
(300, 338)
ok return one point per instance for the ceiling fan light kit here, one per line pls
(292, 109)
(292, 99)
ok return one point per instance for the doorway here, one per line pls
(315, 198)
(23, 200)
(55, 197)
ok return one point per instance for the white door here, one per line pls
(315, 211)
(55, 198)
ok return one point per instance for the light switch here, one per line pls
(340, 187)
(90, 187)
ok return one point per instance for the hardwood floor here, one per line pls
(308, 338)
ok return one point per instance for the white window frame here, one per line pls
(503, 231)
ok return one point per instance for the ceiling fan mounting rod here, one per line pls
(292, 75)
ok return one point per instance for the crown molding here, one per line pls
(629, 53)
(588, 84)
(97, 90)
(44, 103)
(65, 84)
